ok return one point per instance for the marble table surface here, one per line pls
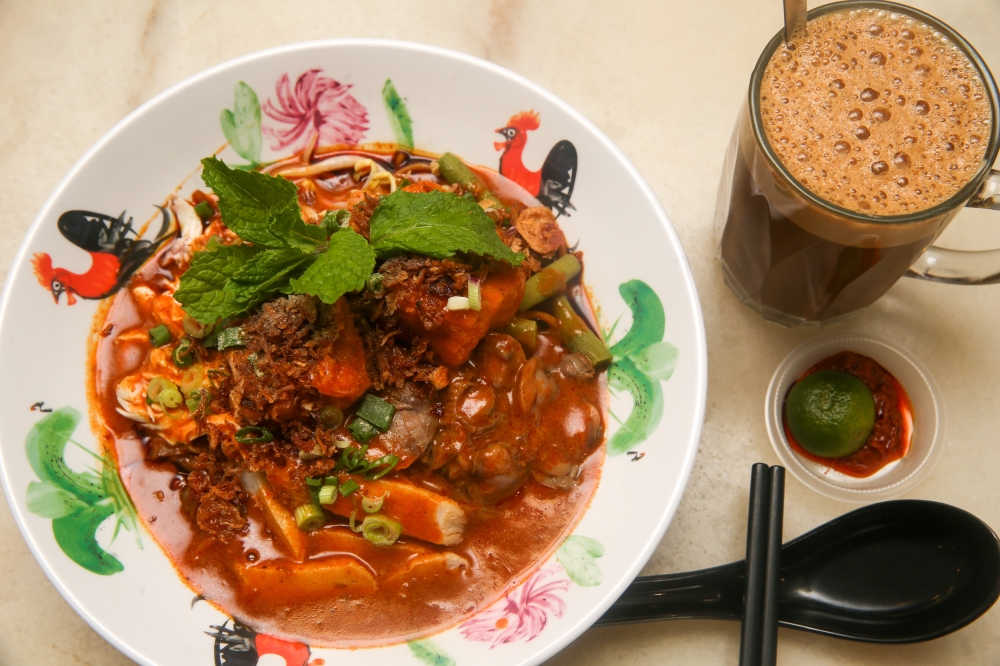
(664, 81)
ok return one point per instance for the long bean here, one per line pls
(578, 336)
(549, 281)
(454, 170)
(524, 331)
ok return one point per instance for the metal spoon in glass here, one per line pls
(795, 18)
(894, 572)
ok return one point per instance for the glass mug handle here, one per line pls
(964, 266)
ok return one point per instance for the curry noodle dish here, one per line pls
(359, 396)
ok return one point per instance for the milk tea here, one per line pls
(875, 112)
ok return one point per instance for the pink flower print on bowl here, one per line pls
(317, 105)
(522, 614)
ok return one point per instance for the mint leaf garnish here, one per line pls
(265, 275)
(251, 202)
(344, 267)
(202, 290)
(435, 224)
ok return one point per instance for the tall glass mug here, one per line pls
(797, 258)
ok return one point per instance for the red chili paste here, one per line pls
(890, 438)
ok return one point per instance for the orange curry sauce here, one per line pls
(253, 579)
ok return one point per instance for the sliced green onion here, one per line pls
(193, 327)
(231, 337)
(380, 530)
(330, 481)
(159, 335)
(376, 411)
(549, 281)
(376, 283)
(164, 392)
(578, 336)
(373, 505)
(524, 331)
(314, 482)
(254, 435)
(362, 430)
(458, 303)
(331, 416)
(348, 487)
(198, 399)
(354, 515)
(334, 220)
(184, 355)
(387, 463)
(252, 360)
(309, 517)
(353, 459)
(315, 454)
(475, 296)
(204, 211)
(343, 443)
(328, 494)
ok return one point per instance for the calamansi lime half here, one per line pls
(831, 413)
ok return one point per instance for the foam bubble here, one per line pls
(925, 104)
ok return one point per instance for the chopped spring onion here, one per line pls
(315, 454)
(386, 463)
(194, 328)
(524, 331)
(578, 336)
(184, 356)
(376, 411)
(371, 505)
(198, 399)
(458, 303)
(309, 517)
(204, 211)
(163, 392)
(334, 220)
(376, 283)
(549, 281)
(352, 459)
(362, 430)
(231, 337)
(252, 360)
(330, 416)
(354, 515)
(343, 443)
(348, 487)
(328, 494)
(330, 481)
(475, 296)
(314, 482)
(159, 335)
(380, 530)
(253, 435)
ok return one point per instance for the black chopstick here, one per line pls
(753, 618)
(772, 573)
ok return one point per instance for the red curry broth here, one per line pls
(253, 578)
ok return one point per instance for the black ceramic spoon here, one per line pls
(894, 572)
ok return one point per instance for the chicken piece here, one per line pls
(538, 227)
(324, 577)
(423, 514)
(168, 312)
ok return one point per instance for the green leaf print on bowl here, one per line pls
(76, 502)
(642, 359)
(241, 125)
(429, 653)
(399, 115)
(577, 556)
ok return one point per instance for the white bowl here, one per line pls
(456, 103)
(899, 476)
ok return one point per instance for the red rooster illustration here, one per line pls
(115, 256)
(553, 185)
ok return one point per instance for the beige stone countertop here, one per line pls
(664, 80)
